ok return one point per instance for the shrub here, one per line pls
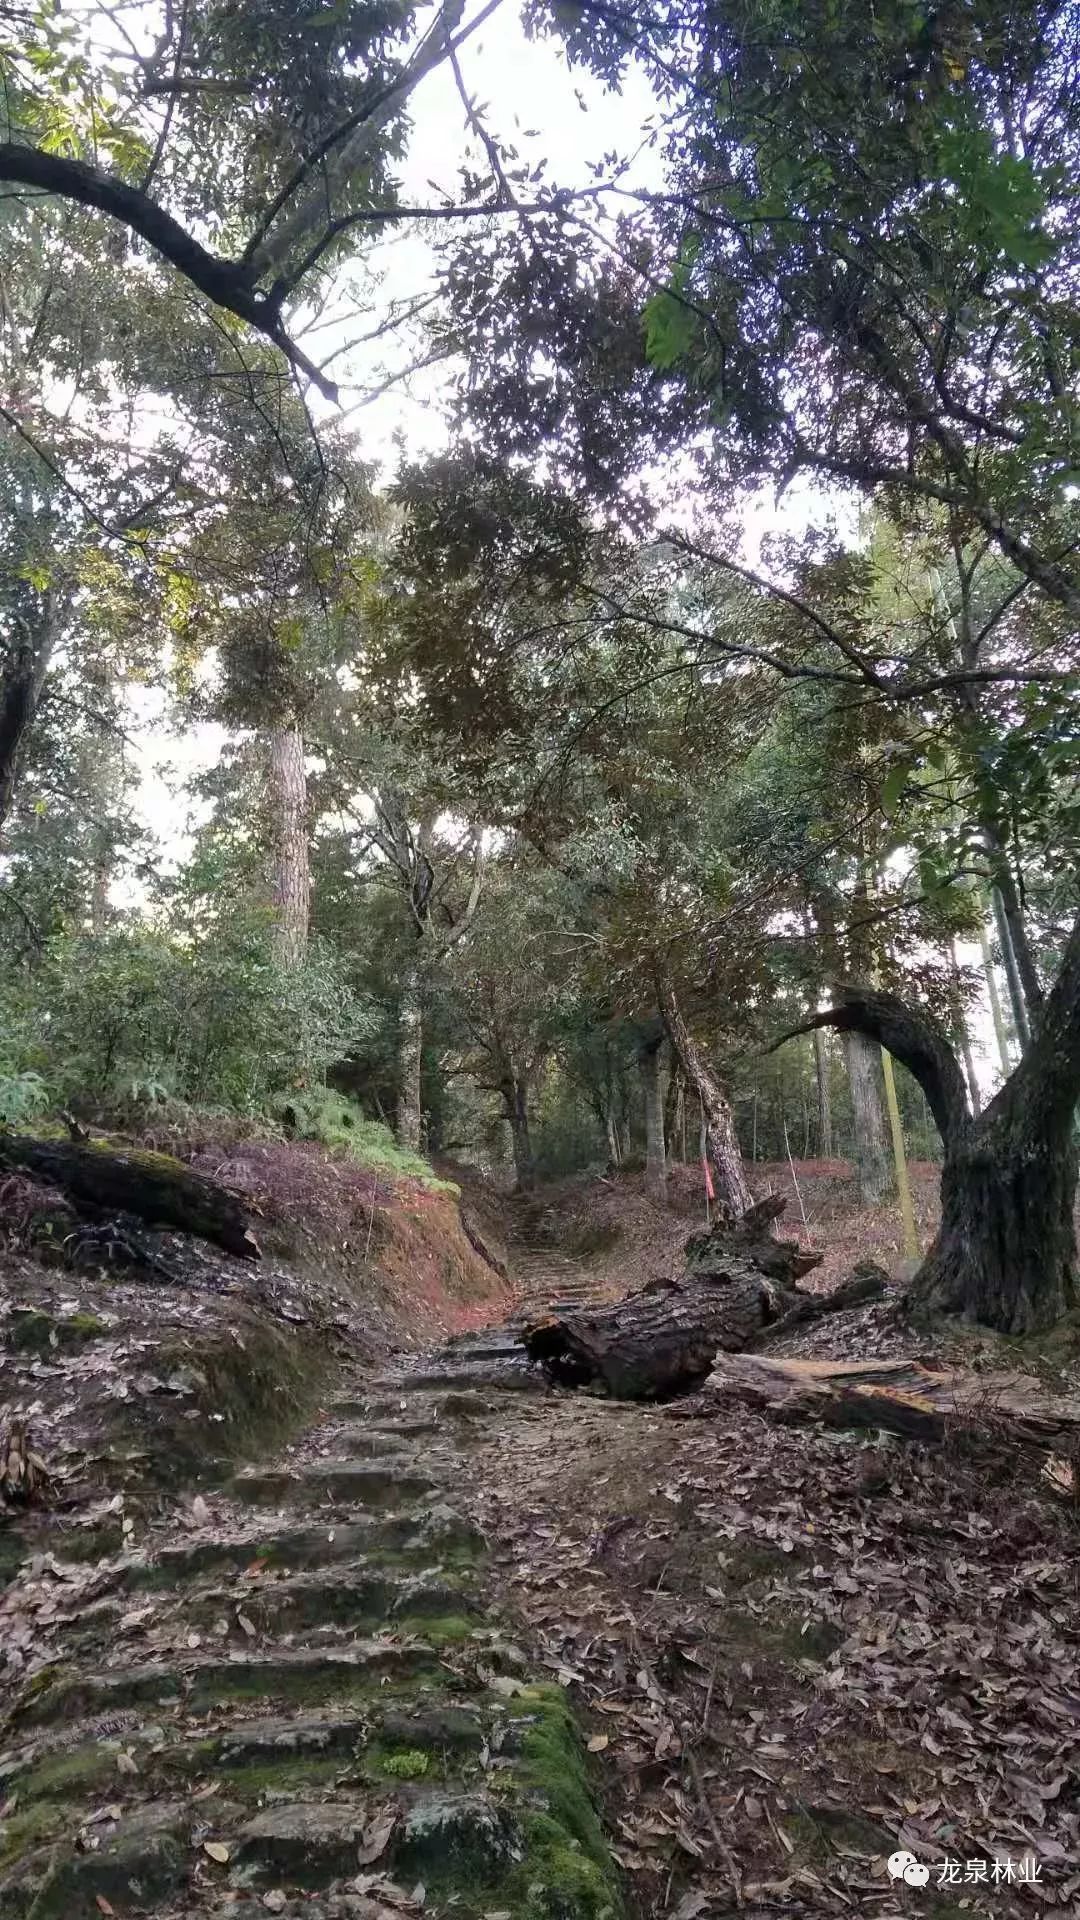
(140, 1015)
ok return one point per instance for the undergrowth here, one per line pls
(330, 1120)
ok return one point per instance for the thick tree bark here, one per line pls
(410, 1047)
(721, 1140)
(21, 685)
(1005, 1251)
(653, 1095)
(292, 855)
(871, 1150)
(824, 1095)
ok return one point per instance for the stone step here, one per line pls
(381, 1419)
(503, 1375)
(333, 1482)
(484, 1350)
(362, 1601)
(316, 1842)
(362, 1442)
(138, 1862)
(430, 1534)
(200, 1684)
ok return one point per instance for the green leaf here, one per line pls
(895, 781)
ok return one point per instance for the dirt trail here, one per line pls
(340, 1685)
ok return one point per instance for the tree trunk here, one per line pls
(410, 1048)
(653, 1093)
(20, 690)
(1017, 1002)
(1017, 958)
(994, 997)
(292, 864)
(674, 1114)
(720, 1136)
(871, 1151)
(1005, 1252)
(157, 1189)
(824, 1095)
(739, 1282)
(963, 1033)
(516, 1103)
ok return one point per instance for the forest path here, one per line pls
(313, 1693)
(295, 1696)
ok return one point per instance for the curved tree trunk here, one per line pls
(1005, 1251)
(653, 1094)
(871, 1151)
(721, 1140)
(410, 1047)
(292, 865)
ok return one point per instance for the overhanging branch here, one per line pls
(226, 282)
(913, 1037)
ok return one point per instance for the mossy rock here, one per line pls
(31, 1330)
(567, 1872)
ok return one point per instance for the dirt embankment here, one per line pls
(133, 1377)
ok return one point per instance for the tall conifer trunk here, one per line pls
(291, 880)
(21, 684)
(653, 1096)
(515, 1096)
(824, 1096)
(410, 1048)
(871, 1150)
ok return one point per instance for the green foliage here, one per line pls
(23, 1096)
(218, 1022)
(321, 1115)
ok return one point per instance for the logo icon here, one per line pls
(904, 1866)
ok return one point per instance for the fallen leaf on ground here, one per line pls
(217, 1850)
(376, 1838)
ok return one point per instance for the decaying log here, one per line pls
(739, 1284)
(899, 1396)
(868, 1282)
(153, 1187)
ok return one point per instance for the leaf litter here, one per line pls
(798, 1651)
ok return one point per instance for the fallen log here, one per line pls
(662, 1341)
(155, 1188)
(899, 1396)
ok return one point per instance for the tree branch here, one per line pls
(228, 283)
(913, 1037)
